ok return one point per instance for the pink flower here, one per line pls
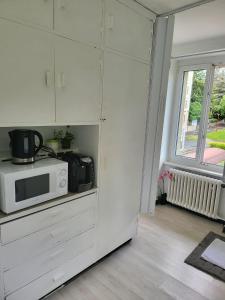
(166, 174)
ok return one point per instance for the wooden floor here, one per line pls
(152, 265)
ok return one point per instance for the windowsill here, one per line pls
(216, 175)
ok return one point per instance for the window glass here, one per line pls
(214, 152)
(190, 112)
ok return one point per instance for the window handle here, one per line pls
(61, 80)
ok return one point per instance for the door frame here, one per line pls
(160, 66)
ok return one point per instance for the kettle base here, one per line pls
(23, 161)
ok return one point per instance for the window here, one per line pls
(200, 130)
(190, 112)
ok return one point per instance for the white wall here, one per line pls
(199, 47)
(168, 119)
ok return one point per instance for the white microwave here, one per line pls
(22, 186)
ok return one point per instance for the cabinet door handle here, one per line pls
(110, 22)
(57, 233)
(48, 79)
(61, 80)
(61, 4)
(55, 213)
(55, 254)
(58, 277)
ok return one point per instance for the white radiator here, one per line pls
(197, 193)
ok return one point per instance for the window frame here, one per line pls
(198, 161)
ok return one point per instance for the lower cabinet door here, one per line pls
(50, 281)
(28, 225)
(36, 267)
(31, 247)
(125, 96)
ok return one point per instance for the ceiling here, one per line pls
(200, 23)
(165, 6)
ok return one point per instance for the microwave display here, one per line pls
(32, 187)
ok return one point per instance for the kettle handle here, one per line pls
(10, 134)
(38, 148)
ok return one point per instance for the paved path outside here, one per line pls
(211, 155)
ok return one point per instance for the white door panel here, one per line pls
(26, 79)
(78, 94)
(79, 19)
(127, 31)
(37, 12)
(122, 147)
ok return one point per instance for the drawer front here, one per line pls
(55, 278)
(25, 226)
(20, 251)
(43, 264)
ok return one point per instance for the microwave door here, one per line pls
(31, 187)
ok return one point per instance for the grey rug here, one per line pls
(195, 260)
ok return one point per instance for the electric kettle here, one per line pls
(23, 145)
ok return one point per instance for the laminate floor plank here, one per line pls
(152, 266)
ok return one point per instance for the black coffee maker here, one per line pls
(23, 146)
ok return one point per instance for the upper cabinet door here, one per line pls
(26, 78)
(127, 31)
(78, 84)
(37, 12)
(80, 20)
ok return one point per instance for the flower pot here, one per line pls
(162, 199)
(53, 144)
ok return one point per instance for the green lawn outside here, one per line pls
(217, 135)
(221, 163)
(191, 137)
(217, 145)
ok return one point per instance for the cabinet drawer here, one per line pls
(48, 261)
(31, 246)
(25, 226)
(50, 281)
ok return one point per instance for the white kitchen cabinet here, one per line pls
(26, 77)
(79, 19)
(125, 95)
(127, 31)
(36, 12)
(78, 82)
(57, 248)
